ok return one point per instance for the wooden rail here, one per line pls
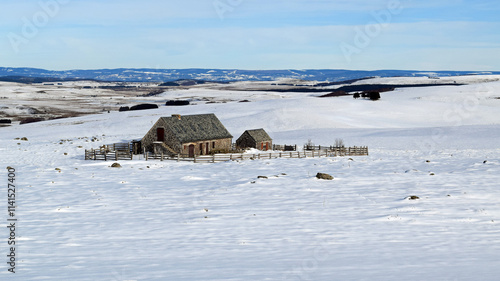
(243, 156)
(285, 147)
(347, 151)
(116, 151)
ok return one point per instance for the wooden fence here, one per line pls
(123, 151)
(116, 151)
(271, 155)
(347, 151)
(285, 147)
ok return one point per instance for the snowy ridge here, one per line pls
(183, 221)
(165, 75)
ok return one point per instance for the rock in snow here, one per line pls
(323, 176)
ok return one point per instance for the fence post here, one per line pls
(195, 158)
(162, 155)
(178, 157)
(213, 158)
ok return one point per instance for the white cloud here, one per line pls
(92, 34)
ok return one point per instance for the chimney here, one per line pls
(177, 115)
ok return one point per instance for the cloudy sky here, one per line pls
(251, 34)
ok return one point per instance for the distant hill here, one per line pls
(35, 75)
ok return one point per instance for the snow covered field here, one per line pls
(183, 221)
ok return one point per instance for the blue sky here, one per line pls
(251, 34)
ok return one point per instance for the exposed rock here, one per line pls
(262, 177)
(413, 197)
(323, 176)
(31, 120)
(116, 165)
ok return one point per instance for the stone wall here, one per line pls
(245, 141)
(221, 144)
(170, 140)
(262, 145)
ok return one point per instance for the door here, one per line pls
(207, 148)
(191, 150)
(160, 134)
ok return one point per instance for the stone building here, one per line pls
(188, 135)
(255, 139)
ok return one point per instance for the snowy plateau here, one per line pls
(168, 220)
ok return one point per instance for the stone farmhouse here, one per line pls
(187, 135)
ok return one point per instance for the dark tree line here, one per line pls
(369, 95)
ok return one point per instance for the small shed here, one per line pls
(188, 135)
(257, 138)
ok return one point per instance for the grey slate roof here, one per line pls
(259, 135)
(193, 128)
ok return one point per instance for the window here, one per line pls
(213, 144)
